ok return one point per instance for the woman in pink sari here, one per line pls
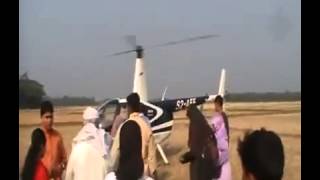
(220, 129)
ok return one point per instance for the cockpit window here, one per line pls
(111, 110)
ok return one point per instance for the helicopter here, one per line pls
(159, 112)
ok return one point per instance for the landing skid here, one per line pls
(163, 155)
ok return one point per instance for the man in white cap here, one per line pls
(88, 156)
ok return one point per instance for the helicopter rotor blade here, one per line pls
(131, 39)
(122, 52)
(185, 40)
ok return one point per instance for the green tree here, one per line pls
(30, 92)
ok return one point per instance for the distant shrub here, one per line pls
(269, 96)
(31, 93)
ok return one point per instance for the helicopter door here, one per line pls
(110, 110)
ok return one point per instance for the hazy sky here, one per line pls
(64, 43)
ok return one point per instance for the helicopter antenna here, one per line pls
(164, 94)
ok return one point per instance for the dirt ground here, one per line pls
(282, 117)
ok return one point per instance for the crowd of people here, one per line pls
(126, 150)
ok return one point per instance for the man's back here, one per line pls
(87, 156)
(145, 119)
(148, 145)
(85, 163)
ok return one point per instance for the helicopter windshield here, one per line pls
(110, 111)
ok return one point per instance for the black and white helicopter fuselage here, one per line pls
(159, 113)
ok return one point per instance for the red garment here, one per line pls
(55, 154)
(41, 172)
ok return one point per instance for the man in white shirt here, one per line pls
(88, 156)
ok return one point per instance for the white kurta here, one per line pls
(87, 160)
(112, 176)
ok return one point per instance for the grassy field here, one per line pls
(281, 117)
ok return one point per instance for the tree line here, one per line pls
(32, 93)
(263, 97)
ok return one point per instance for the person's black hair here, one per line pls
(133, 101)
(46, 106)
(38, 141)
(130, 162)
(218, 100)
(262, 154)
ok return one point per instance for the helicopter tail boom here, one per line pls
(222, 85)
